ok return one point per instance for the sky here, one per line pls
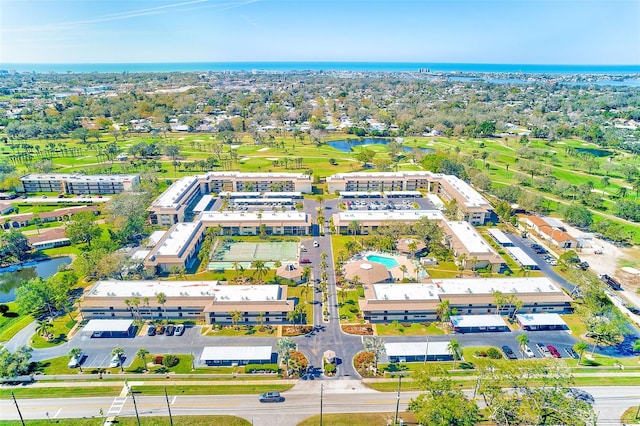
(572, 32)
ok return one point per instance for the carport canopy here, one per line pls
(108, 325)
(540, 320)
(522, 258)
(417, 349)
(477, 321)
(236, 353)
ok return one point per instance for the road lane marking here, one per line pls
(57, 413)
(173, 401)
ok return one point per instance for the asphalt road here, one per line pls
(300, 402)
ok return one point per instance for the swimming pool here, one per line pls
(389, 262)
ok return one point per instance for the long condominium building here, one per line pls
(366, 221)
(419, 302)
(197, 300)
(470, 249)
(78, 184)
(471, 206)
(171, 205)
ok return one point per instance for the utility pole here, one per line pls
(168, 406)
(135, 406)
(395, 421)
(20, 414)
(321, 396)
(426, 351)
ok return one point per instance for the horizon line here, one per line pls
(321, 62)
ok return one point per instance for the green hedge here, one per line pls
(253, 368)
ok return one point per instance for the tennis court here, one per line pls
(227, 252)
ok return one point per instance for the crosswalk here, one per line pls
(116, 406)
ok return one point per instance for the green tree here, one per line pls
(13, 364)
(14, 247)
(455, 350)
(523, 340)
(43, 329)
(236, 316)
(442, 403)
(82, 228)
(260, 270)
(284, 347)
(142, 355)
(443, 310)
(161, 298)
(375, 345)
(580, 348)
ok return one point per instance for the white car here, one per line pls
(115, 361)
(316, 244)
(528, 352)
(76, 361)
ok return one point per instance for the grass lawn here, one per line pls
(348, 307)
(131, 421)
(414, 329)
(358, 419)
(242, 331)
(443, 270)
(61, 327)
(10, 325)
(631, 415)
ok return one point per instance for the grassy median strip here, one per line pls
(131, 421)
(91, 391)
(358, 419)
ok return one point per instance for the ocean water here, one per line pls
(323, 66)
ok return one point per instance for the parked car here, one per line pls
(305, 261)
(508, 352)
(528, 352)
(151, 331)
(97, 334)
(179, 330)
(542, 348)
(115, 362)
(316, 244)
(271, 397)
(160, 329)
(553, 351)
(76, 361)
(170, 330)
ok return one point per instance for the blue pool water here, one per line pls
(386, 261)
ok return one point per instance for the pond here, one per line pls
(595, 151)
(13, 276)
(347, 145)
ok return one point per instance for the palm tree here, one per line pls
(354, 227)
(454, 350)
(523, 341)
(342, 293)
(498, 299)
(304, 291)
(605, 183)
(403, 268)
(236, 316)
(260, 319)
(119, 353)
(284, 347)
(306, 273)
(324, 255)
(260, 269)
(162, 299)
(175, 270)
(236, 266)
(76, 353)
(355, 281)
(443, 311)
(142, 354)
(580, 347)
(43, 329)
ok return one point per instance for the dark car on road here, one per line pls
(160, 329)
(508, 352)
(170, 330)
(151, 331)
(305, 261)
(271, 397)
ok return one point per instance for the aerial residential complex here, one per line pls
(208, 300)
(78, 184)
(472, 207)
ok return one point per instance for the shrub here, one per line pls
(158, 360)
(4, 309)
(494, 353)
(329, 369)
(253, 368)
(170, 360)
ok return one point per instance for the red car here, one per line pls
(554, 351)
(305, 261)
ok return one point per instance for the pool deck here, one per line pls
(395, 271)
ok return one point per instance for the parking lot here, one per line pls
(384, 203)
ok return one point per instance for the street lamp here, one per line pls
(395, 421)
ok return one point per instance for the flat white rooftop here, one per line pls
(489, 285)
(265, 217)
(468, 236)
(540, 319)
(406, 292)
(155, 238)
(416, 348)
(248, 175)
(436, 201)
(221, 293)
(499, 236)
(108, 325)
(520, 256)
(379, 175)
(78, 177)
(236, 353)
(472, 197)
(204, 202)
(180, 235)
(234, 194)
(468, 321)
(170, 198)
(382, 215)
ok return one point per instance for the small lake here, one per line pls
(12, 277)
(347, 145)
(595, 151)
